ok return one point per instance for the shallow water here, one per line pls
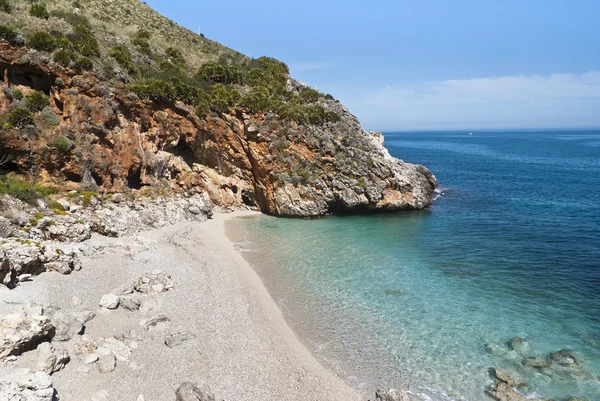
(511, 249)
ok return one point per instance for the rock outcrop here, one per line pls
(116, 141)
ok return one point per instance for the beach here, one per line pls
(233, 336)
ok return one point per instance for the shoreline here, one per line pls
(238, 341)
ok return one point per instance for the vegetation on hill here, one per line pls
(133, 45)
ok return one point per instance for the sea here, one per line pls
(431, 301)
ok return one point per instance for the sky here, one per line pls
(425, 64)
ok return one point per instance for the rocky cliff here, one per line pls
(98, 133)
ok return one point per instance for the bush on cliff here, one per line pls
(223, 99)
(258, 100)
(7, 33)
(218, 73)
(21, 117)
(39, 10)
(69, 58)
(62, 144)
(122, 55)
(175, 56)
(141, 40)
(23, 190)
(36, 101)
(84, 41)
(309, 95)
(42, 41)
(5, 6)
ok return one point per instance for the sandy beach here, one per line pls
(237, 342)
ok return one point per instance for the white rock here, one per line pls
(91, 358)
(121, 351)
(101, 395)
(101, 351)
(109, 301)
(106, 363)
(75, 301)
(141, 398)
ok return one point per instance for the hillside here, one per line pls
(108, 96)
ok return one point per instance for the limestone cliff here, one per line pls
(101, 134)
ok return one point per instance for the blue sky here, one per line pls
(428, 64)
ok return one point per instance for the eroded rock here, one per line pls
(19, 333)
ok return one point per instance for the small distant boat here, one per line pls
(470, 133)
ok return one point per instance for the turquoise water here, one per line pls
(410, 300)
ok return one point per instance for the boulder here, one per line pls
(194, 392)
(51, 359)
(67, 325)
(19, 333)
(109, 301)
(106, 363)
(22, 385)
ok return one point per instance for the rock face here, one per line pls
(259, 160)
(19, 333)
(25, 386)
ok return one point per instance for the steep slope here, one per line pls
(116, 109)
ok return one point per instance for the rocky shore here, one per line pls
(145, 300)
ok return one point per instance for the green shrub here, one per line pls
(5, 122)
(17, 94)
(66, 57)
(213, 72)
(62, 143)
(73, 19)
(25, 191)
(54, 205)
(258, 100)
(223, 99)
(77, 4)
(5, 6)
(63, 43)
(309, 95)
(48, 117)
(84, 41)
(155, 89)
(168, 90)
(36, 101)
(122, 55)
(141, 41)
(33, 221)
(320, 115)
(175, 56)
(21, 117)
(329, 97)
(39, 10)
(7, 33)
(42, 41)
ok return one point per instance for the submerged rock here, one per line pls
(563, 358)
(495, 349)
(509, 378)
(536, 362)
(515, 343)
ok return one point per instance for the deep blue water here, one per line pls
(412, 299)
